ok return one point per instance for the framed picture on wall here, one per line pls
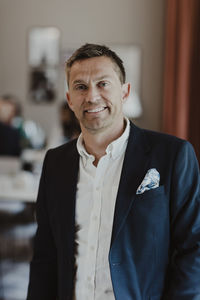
(43, 62)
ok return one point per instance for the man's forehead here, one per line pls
(100, 67)
(98, 62)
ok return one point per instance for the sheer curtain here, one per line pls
(181, 109)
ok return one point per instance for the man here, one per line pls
(118, 210)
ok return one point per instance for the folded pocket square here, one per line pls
(150, 181)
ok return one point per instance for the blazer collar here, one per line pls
(135, 163)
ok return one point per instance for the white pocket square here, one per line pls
(150, 181)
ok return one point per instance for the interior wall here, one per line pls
(1, 50)
(139, 22)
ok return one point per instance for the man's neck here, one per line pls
(96, 143)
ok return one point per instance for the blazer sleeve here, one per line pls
(43, 267)
(184, 269)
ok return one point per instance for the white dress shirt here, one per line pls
(95, 202)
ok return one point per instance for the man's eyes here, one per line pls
(102, 84)
(81, 87)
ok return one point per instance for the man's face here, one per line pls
(96, 94)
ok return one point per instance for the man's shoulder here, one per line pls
(162, 149)
(71, 145)
(67, 151)
(158, 138)
(161, 144)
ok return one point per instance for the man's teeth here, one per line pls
(95, 110)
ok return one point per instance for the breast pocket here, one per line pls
(152, 205)
(148, 218)
(159, 191)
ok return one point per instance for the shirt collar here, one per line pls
(115, 148)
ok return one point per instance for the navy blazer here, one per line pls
(155, 247)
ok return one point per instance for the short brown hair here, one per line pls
(93, 50)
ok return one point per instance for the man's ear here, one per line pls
(126, 91)
(69, 101)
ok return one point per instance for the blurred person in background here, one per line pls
(68, 128)
(10, 142)
(69, 123)
(11, 115)
(118, 210)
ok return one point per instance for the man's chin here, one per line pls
(95, 127)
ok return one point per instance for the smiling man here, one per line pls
(96, 95)
(118, 210)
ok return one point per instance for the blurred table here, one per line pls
(17, 184)
(22, 186)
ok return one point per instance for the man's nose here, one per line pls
(92, 94)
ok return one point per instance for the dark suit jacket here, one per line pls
(155, 247)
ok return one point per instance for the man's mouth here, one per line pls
(96, 110)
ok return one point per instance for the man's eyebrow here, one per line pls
(78, 81)
(97, 78)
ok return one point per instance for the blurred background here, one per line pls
(159, 41)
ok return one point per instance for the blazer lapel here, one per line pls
(67, 192)
(135, 163)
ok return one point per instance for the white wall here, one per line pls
(107, 21)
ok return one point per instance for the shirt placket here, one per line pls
(95, 223)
